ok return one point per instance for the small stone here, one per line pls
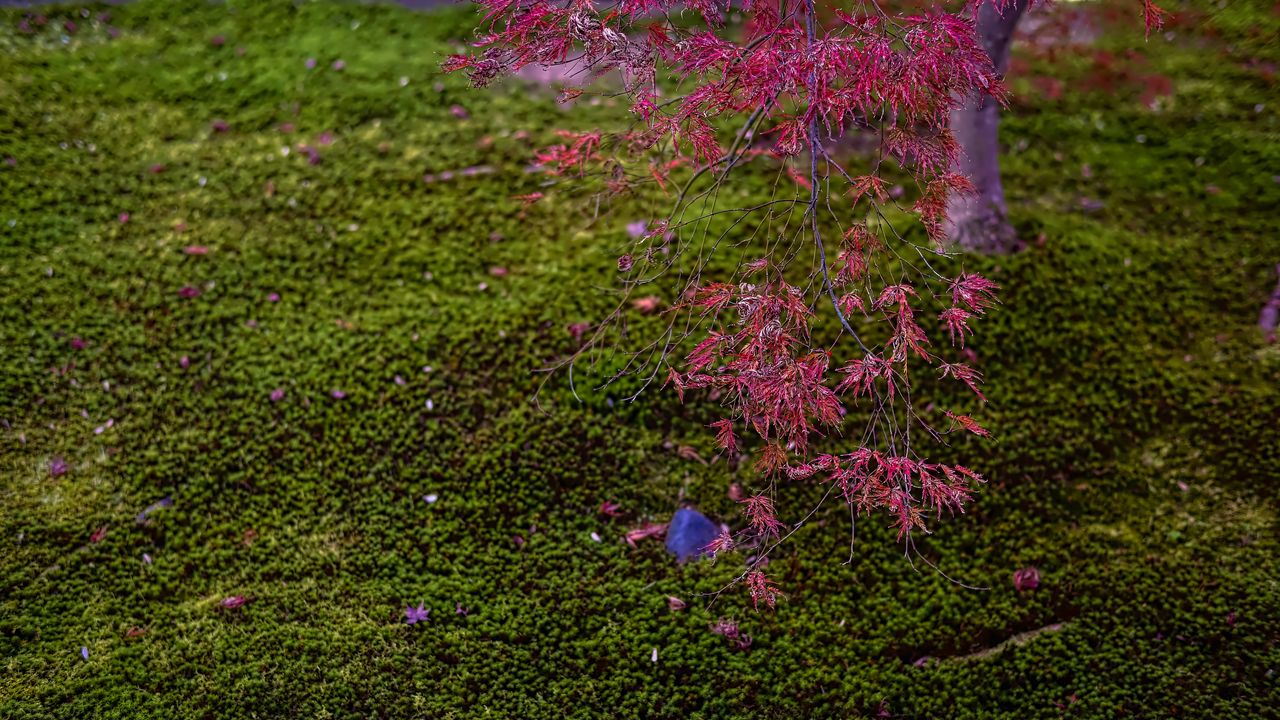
(1091, 205)
(689, 533)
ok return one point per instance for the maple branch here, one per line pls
(814, 187)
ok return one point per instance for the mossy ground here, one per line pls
(1135, 404)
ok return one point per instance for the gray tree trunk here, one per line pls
(979, 222)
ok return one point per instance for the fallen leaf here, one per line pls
(647, 305)
(1028, 578)
(647, 530)
(414, 615)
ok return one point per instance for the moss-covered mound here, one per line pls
(248, 351)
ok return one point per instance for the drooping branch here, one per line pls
(788, 82)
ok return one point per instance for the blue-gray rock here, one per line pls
(689, 532)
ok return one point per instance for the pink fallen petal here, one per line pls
(196, 250)
(188, 292)
(577, 330)
(1028, 578)
(277, 395)
(184, 362)
(123, 218)
(273, 297)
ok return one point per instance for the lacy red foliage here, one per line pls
(796, 78)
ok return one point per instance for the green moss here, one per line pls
(1133, 399)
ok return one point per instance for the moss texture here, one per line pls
(1135, 403)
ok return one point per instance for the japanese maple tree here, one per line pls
(831, 244)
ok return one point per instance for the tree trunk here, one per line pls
(979, 222)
